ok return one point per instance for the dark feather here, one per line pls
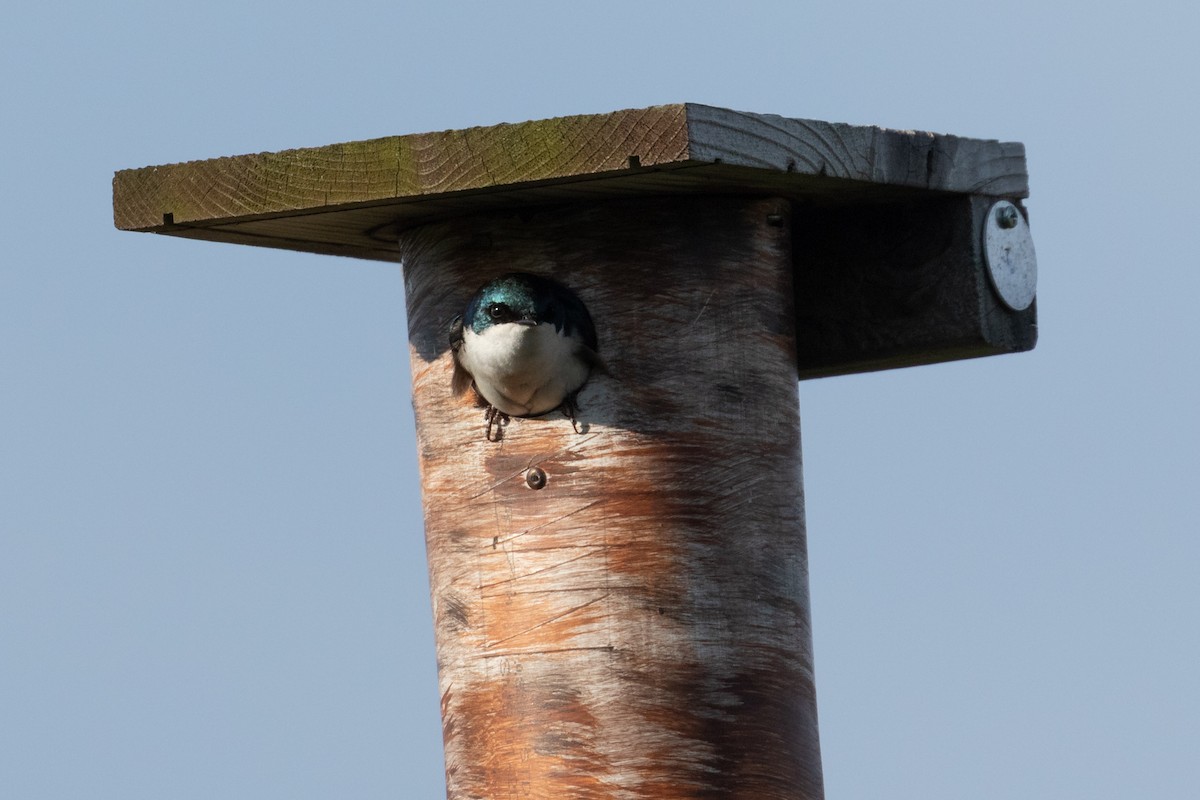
(462, 380)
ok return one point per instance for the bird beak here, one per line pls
(530, 322)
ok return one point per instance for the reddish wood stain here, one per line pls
(638, 628)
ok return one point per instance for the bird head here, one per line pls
(517, 298)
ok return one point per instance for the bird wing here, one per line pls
(571, 316)
(461, 381)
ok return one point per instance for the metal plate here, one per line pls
(1008, 251)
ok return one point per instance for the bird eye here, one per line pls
(498, 311)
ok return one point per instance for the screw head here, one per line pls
(1007, 217)
(535, 478)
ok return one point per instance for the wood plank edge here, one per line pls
(913, 358)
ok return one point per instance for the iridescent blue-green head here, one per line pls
(527, 299)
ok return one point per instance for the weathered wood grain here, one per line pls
(316, 179)
(335, 199)
(639, 627)
(857, 152)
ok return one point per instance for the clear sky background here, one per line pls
(212, 577)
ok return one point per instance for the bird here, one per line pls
(527, 345)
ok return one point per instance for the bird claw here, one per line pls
(496, 421)
(570, 408)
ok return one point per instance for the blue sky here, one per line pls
(212, 578)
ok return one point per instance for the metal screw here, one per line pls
(1007, 217)
(535, 478)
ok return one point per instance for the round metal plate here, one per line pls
(1008, 251)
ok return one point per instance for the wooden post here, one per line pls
(639, 626)
(622, 610)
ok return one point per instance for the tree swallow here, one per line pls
(527, 344)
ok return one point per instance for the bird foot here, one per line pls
(496, 422)
(570, 407)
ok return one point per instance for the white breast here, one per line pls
(523, 370)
